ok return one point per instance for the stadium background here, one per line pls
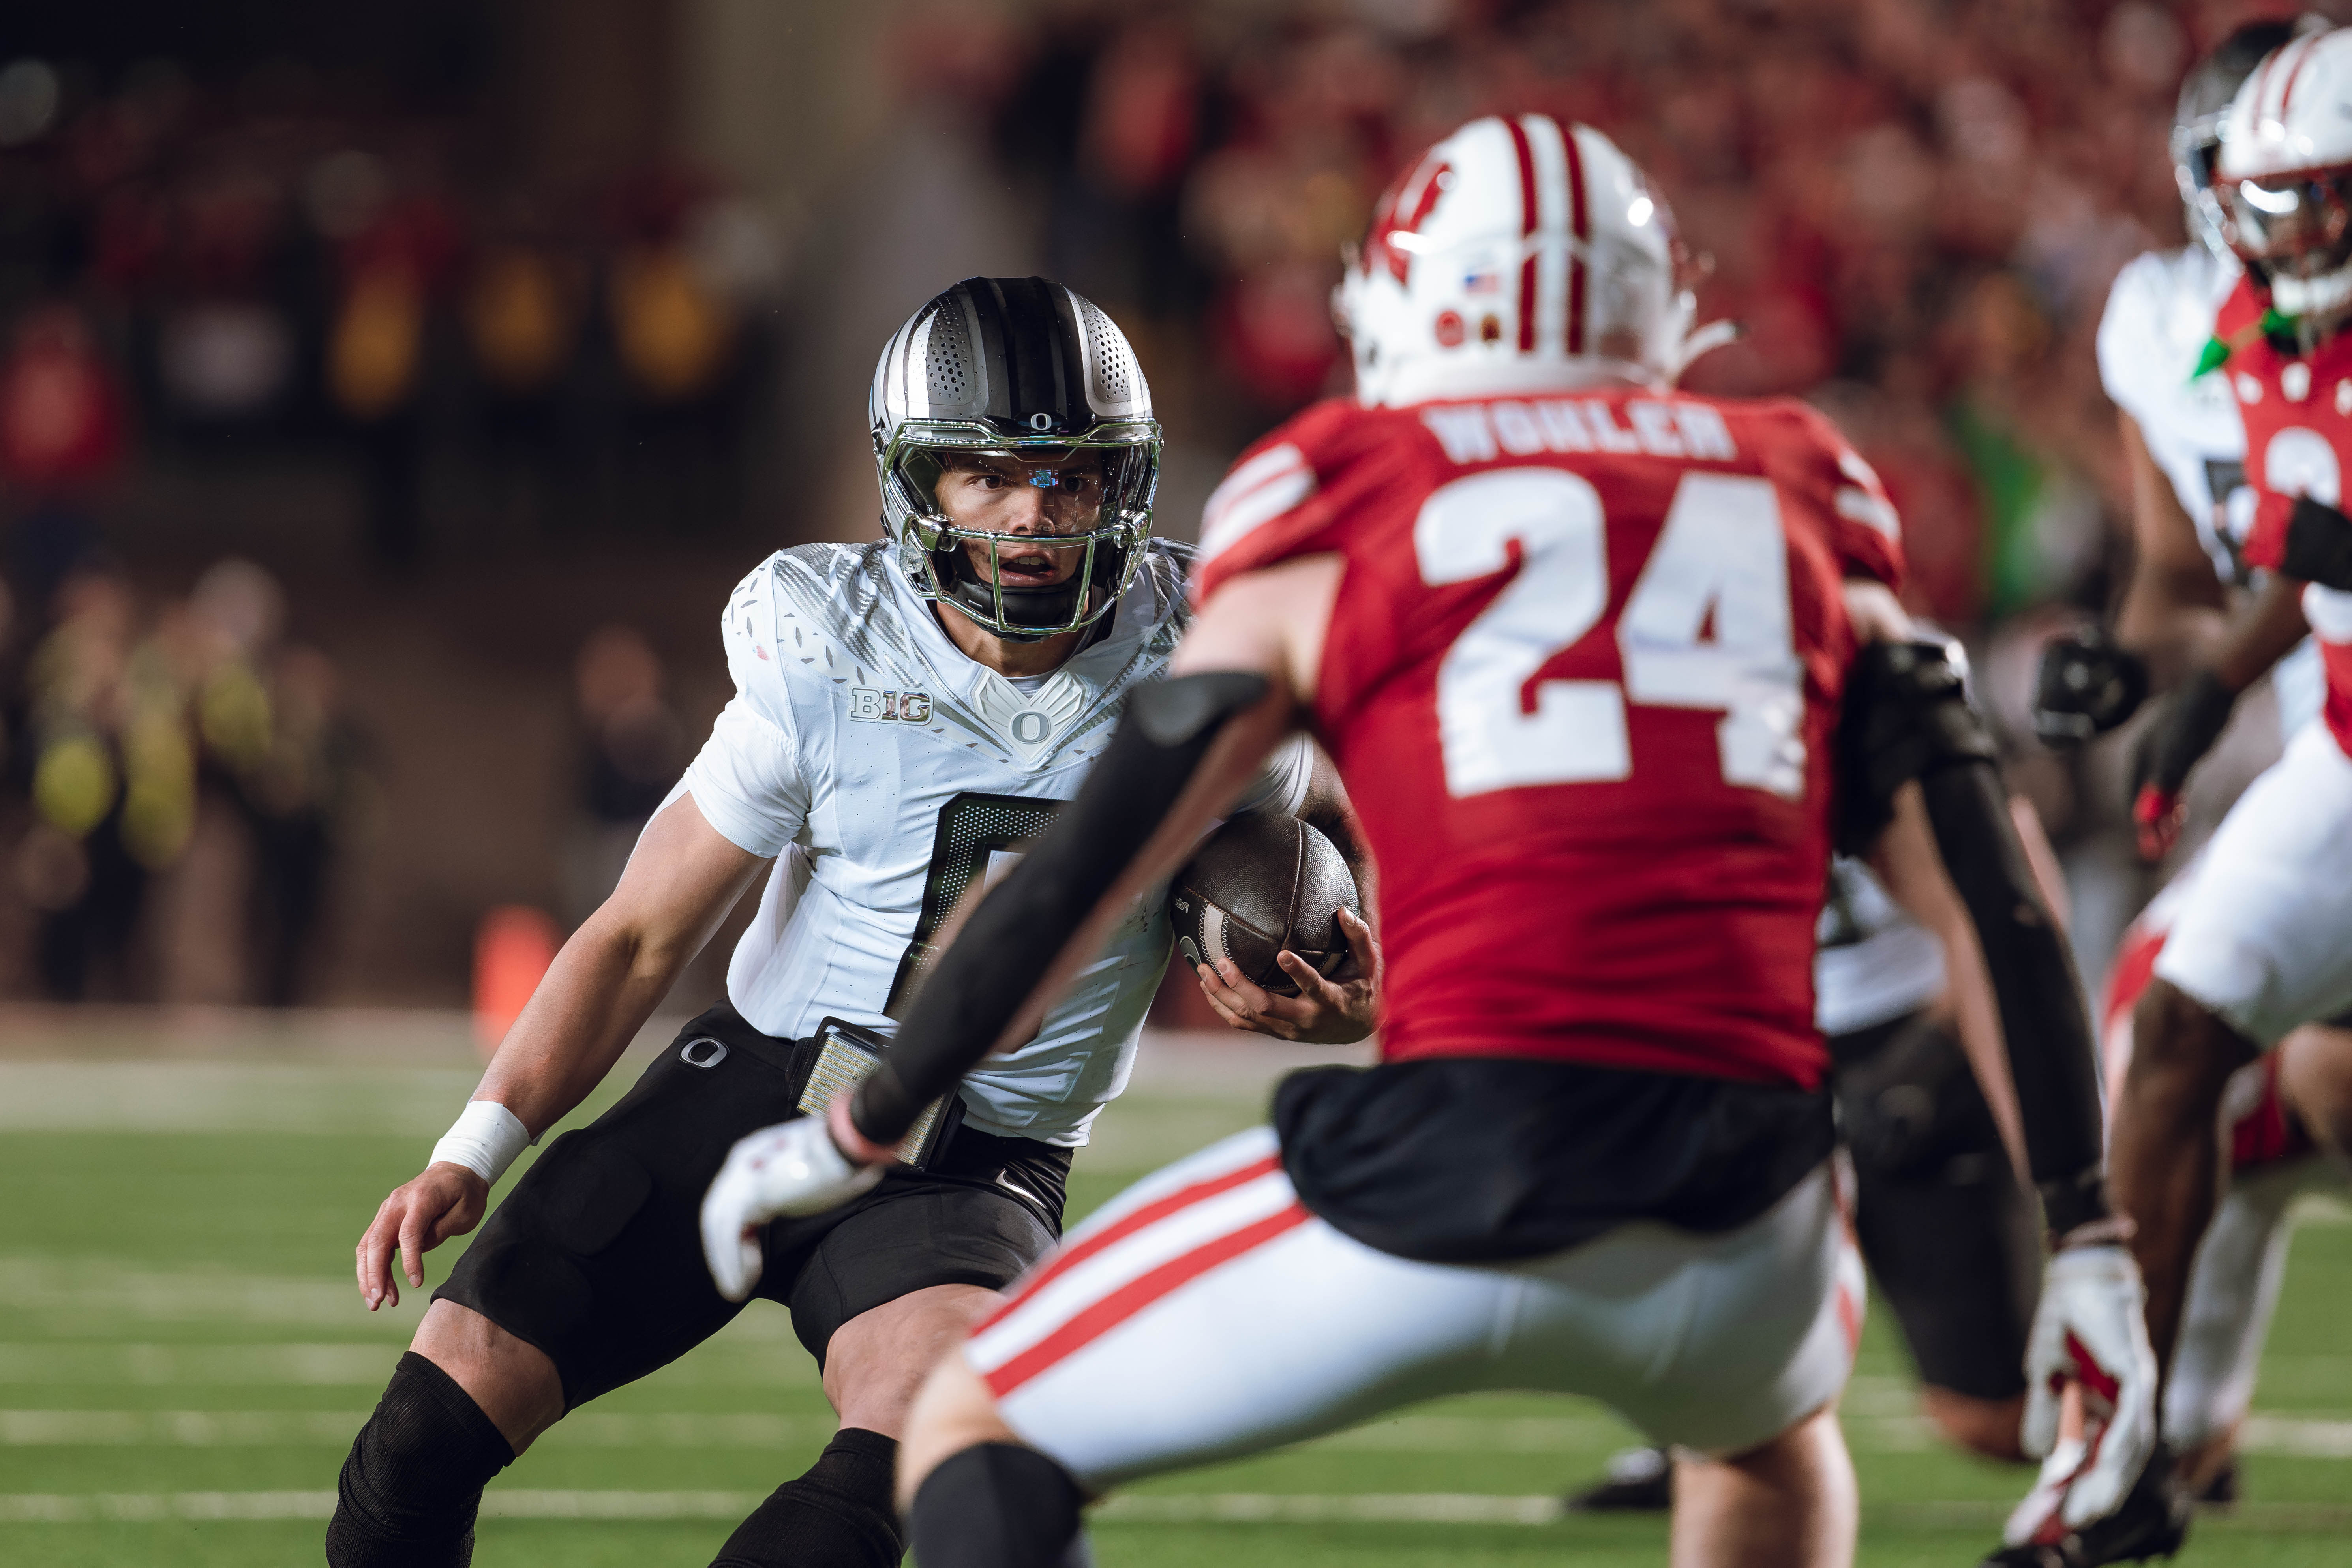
(389, 395)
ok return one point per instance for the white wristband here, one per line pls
(485, 1139)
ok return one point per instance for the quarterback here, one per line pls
(906, 713)
(1592, 653)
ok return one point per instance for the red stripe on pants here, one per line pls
(1131, 1297)
(1119, 1230)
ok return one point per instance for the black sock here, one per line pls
(838, 1515)
(997, 1505)
(413, 1483)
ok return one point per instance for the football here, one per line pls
(1261, 883)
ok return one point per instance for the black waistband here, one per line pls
(1469, 1158)
(969, 1149)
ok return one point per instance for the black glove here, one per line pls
(2318, 544)
(2089, 684)
(2193, 718)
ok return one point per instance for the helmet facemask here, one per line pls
(2294, 230)
(1092, 511)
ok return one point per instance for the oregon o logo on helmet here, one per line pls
(1041, 420)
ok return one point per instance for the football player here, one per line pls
(907, 712)
(2191, 512)
(1583, 644)
(2264, 945)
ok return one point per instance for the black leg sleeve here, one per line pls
(838, 1515)
(997, 1505)
(414, 1482)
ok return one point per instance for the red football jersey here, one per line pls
(2297, 410)
(1581, 678)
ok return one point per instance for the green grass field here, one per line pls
(183, 1360)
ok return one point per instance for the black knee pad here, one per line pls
(839, 1514)
(997, 1505)
(414, 1480)
(1908, 1101)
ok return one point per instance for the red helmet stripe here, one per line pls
(1579, 224)
(2286, 93)
(1527, 227)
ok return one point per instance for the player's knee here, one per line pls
(2315, 1082)
(513, 1382)
(1987, 1427)
(878, 1362)
(413, 1481)
(995, 1505)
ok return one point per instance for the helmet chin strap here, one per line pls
(1049, 608)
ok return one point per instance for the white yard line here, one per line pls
(1157, 1507)
(2300, 1437)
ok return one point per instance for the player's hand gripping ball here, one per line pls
(1261, 883)
(1266, 916)
(792, 1168)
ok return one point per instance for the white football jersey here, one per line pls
(887, 772)
(1871, 963)
(2159, 317)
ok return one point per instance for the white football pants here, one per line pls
(1206, 1313)
(2264, 935)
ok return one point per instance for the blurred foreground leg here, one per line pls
(1788, 1504)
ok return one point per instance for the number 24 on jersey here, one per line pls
(1720, 557)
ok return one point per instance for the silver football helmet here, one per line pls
(1031, 380)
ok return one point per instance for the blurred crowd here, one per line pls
(177, 777)
(261, 264)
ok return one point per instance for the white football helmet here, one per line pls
(2203, 109)
(2284, 180)
(1514, 255)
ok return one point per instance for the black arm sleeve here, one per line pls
(1908, 717)
(984, 980)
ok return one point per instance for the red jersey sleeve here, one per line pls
(1814, 463)
(1286, 495)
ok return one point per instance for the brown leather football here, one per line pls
(1261, 883)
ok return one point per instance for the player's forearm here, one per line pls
(2173, 618)
(2263, 634)
(1913, 874)
(596, 995)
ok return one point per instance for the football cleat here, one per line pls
(2153, 1521)
(1639, 1480)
